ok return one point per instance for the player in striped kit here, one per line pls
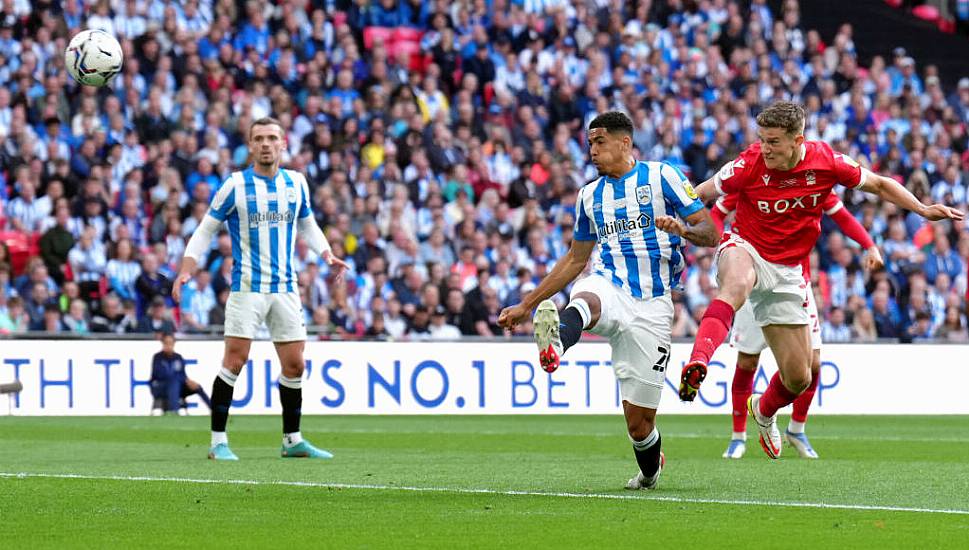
(263, 207)
(629, 213)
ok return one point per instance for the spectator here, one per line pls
(15, 319)
(835, 329)
(122, 270)
(170, 384)
(151, 284)
(942, 259)
(26, 213)
(198, 301)
(88, 262)
(419, 327)
(56, 245)
(440, 329)
(158, 319)
(50, 322)
(953, 329)
(864, 329)
(76, 321)
(888, 322)
(112, 318)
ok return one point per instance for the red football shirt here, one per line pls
(779, 212)
(728, 203)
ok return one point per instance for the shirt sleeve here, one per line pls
(583, 224)
(224, 201)
(831, 204)
(851, 227)
(727, 179)
(719, 214)
(678, 191)
(304, 204)
(848, 172)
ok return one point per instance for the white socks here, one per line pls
(219, 438)
(292, 383)
(795, 427)
(227, 377)
(739, 435)
(292, 439)
(648, 442)
(584, 312)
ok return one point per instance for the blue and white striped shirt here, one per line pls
(619, 214)
(261, 214)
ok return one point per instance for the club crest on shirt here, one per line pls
(290, 194)
(810, 177)
(644, 195)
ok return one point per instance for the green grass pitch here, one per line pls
(436, 481)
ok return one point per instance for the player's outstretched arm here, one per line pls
(564, 272)
(699, 228)
(897, 194)
(197, 245)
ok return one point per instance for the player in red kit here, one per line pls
(749, 341)
(781, 183)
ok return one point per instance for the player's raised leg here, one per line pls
(555, 333)
(741, 388)
(647, 445)
(236, 355)
(291, 398)
(792, 350)
(795, 429)
(736, 277)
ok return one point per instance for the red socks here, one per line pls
(803, 401)
(775, 397)
(713, 330)
(740, 390)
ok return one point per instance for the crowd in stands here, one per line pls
(444, 144)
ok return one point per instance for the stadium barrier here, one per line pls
(112, 378)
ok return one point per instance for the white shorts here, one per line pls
(245, 313)
(780, 292)
(639, 333)
(747, 337)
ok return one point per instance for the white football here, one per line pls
(93, 57)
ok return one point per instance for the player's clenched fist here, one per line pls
(670, 225)
(873, 259)
(513, 316)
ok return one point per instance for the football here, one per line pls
(93, 57)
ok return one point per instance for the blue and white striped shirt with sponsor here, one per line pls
(619, 214)
(261, 214)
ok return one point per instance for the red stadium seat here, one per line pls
(18, 245)
(373, 34)
(409, 48)
(947, 26)
(406, 34)
(926, 12)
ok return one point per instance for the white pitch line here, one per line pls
(467, 491)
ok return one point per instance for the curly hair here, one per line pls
(613, 122)
(785, 115)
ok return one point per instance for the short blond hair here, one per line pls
(786, 115)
